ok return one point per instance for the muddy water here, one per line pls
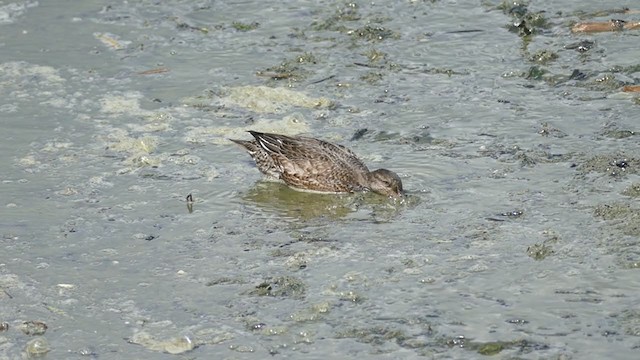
(519, 235)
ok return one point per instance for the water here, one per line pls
(517, 232)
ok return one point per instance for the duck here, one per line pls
(310, 164)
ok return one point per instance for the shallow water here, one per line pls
(519, 235)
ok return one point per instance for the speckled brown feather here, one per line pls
(311, 164)
(264, 162)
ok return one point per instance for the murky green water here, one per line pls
(519, 236)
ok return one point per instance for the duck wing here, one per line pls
(313, 164)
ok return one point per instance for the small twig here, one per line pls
(6, 293)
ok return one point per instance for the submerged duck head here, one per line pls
(385, 182)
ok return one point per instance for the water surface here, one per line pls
(519, 235)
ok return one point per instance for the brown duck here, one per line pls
(311, 164)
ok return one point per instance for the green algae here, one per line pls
(347, 13)
(541, 251)
(543, 57)
(612, 211)
(491, 348)
(294, 69)
(632, 191)
(240, 26)
(535, 73)
(623, 217)
(619, 134)
(281, 286)
(615, 165)
(374, 335)
(373, 33)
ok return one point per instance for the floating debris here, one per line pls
(33, 327)
(111, 41)
(174, 346)
(490, 348)
(190, 203)
(632, 191)
(514, 214)
(240, 26)
(581, 46)
(604, 26)
(37, 347)
(524, 22)
(7, 294)
(56, 310)
(373, 33)
(291, 69)
(282, 286)
(539, 251)
(184, 26)
(544, 57)
(535, 73)
(264, 99)
(159, 70)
